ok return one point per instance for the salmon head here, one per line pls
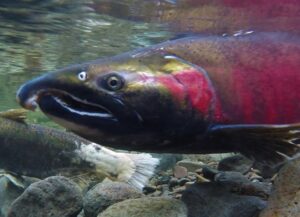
(145, 100)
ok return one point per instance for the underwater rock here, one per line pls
(285, 198)
(167, 161)
(147, 207)
(213, 200)
(266, 171)
(209, 173)
(163, 179)
(236, 182)
(237, 163)
(206, 158)
(180, 172)
(12, 187)
(191, 166)
(105, 194)
(54, 196)
(81, 214)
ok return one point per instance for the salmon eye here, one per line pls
(82, 76)
(114, 82)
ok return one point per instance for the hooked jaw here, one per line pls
(27, 95)
(52, 99)
(29, 103)
(89, 113)
(72, 104)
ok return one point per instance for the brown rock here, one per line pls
(180, 172)
(285, 198)
(147, 207)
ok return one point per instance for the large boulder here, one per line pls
(285, 198)
(54, 196)
(214, 200)
(147, 207)
(105, 194)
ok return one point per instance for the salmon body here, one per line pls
(34, 150)
(191, 95)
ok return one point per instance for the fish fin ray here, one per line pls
(18, 115)
(269, 144)
(14, 178)
(145, 166)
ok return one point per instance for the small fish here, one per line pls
(204, 94)
(38, 151)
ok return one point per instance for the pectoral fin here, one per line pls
(15, 179)
(18, 115)
(264, 143)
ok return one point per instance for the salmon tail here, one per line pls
(268, 144)
(145, 166)
(135, 169)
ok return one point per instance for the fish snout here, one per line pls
(26, 98)
(27, 95)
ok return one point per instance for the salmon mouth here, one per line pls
(78, 106)
(66, 106)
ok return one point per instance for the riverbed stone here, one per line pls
(237, 163)
(166, 161)
(180, 172)
(54, 196)
(147, 207)
(105, 194)
(236, 182)
(213, 200)
(191, 166)
(285, 197)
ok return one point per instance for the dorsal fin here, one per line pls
(18, 115)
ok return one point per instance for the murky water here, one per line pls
(37, 36)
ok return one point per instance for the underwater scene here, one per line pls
(139, 108)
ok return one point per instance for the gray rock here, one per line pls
(237, 163)
(163, 179)
(266, 171)
(105, 194)
(81, 214)
(11, 187)
(206, 158)
(213, 200)
(209, 173)
(54, 196)
(167, 161)
(191, 166)
(147, 207)
(183, 181)
(230, 178)
(149, 189)
(236, 182)
(173, 182)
